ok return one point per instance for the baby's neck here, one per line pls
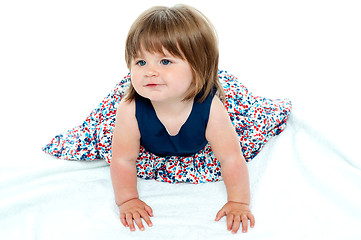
(172, 107)
(173, 116)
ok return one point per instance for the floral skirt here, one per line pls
(255, 119)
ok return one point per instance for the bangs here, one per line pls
(152, 43)
(155, 32)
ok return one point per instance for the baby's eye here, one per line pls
(141, 62)
(165, 62)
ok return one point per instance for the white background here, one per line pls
(58, 59)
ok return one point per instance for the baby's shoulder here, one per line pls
(216, 107)
(218, 118)
(126, 112)
(126, 106)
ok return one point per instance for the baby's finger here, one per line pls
(221, 213)
(129, 219)
(236, 224)
(138, 221)
(244, 223)
(229, 221)
(149, 210)
(146, 218)
(123, 220)
(252, 220)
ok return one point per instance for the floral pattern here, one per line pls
(256, 120)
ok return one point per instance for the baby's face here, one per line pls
(161, 77)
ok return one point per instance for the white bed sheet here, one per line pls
(302, 188)
(305, 183)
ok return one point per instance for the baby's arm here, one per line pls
(125, 150)
(225, 145)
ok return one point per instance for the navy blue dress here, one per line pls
(190, 138)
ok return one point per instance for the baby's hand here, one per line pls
(132, 211)
(236, 213)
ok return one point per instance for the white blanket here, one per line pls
(60, 60)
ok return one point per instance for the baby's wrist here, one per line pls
(126, 197)
(125, 201)
(239, 202)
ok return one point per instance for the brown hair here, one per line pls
(185, 33)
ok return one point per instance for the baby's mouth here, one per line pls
(153, 85)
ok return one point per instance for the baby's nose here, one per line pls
(151, 71)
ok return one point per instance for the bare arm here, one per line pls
(125, 150)
(225, 145)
